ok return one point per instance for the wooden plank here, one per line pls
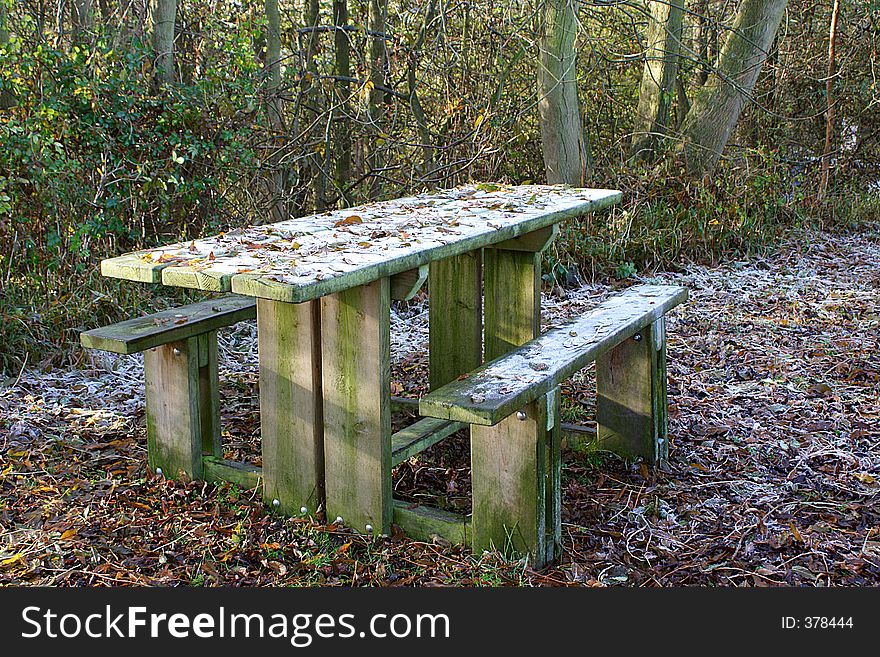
(425, 523)
(174, 437)
(512, 299)
(209, 394)
(389, 238)
(631, 398)
(509, 460)
(357, 415)
(177, 276)
(534, 242)
(133, 267)
(291, 415)
(244, 475)
(419, 436)
(498, 388)
(508, 480)
(455, 317)
(405, 285)
(142, 333)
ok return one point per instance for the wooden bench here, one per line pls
(180, 368)
(512, 406)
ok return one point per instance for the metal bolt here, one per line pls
(158, 471)
(338, 520)
(637, 337)
(276, 502)
(303, 510)
(520, 415)
(176, 351)
(369, 529)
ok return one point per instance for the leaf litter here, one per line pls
(773, 476)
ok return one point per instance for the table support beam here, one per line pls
(455, 316)
(290, 404)
(357, 405)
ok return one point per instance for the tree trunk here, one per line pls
(566, 153)
(829, 111)
(716, 108)
(342, 123)
(7, 100)
(378, 63)
(274, 110)
(82, 13)
(163, 14)
(660, 72)
(415, 103)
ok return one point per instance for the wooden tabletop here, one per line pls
(309, 257)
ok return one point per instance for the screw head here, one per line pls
(176, 351)
(369, 529)
(338, 520)
(276, 502)
(158, 471)
(303, 510)
(637, 337)
(520, 415)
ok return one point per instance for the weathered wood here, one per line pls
(305, 258)
(137, 266)
(241, 474)
(404, 404)
(508, 480)
(509, 461)
(424, 523)
(174, 438)
(498, 388)
(357, 414)
(290, 404)
(455, 317)
(405, 284)
(209, 394)
(142, 333)
(534, 242)
(512, 299)
(631, 397)
(553, 504)
(419, 436)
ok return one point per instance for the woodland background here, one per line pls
(131, 123)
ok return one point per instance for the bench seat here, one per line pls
(141, 333)
(512, 404)
(495, 390)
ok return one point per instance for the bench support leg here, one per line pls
(455, 315)
(631, 396)
(357, 406)
(515, 478)
(209, 395)
(290, 404)
(174, 408)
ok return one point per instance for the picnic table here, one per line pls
(323, 286)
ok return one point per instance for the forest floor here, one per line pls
(773, 476)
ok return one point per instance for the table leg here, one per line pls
(515, 464)
(290, 404)
(455, 317)
(356, 351)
